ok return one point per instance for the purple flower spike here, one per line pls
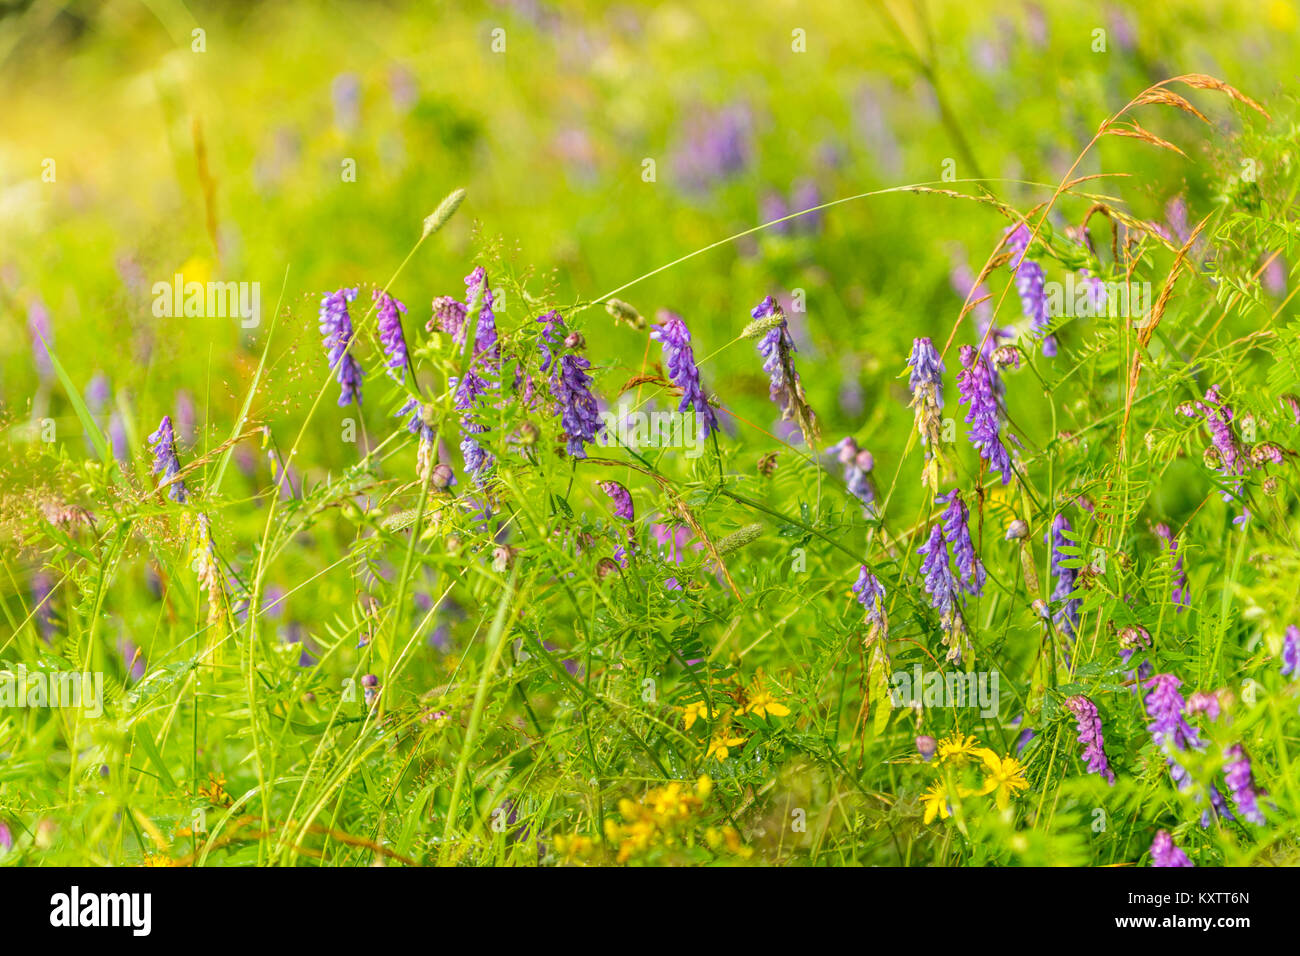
(871, 595)
(1242, 784)
(1164, 853)
(336, 327)
(1168, 728)
(957, 532)
(485, 333)
(1089, 726)
(777, 348)
(622, 499)
(571, 385)
(1067, 618)
(942, 588)
(975, 385)
(1291, 653)
(163, 443)
(675, 337)
(857, 463)
(1029, 283)
(390, 334)
(926, 385)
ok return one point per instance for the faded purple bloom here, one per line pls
(1067, 618)
(1089, 726)
(1291, 653)
(390, 334)
(807, 196)
(777, 348)
(1095, 290)
(345, 93)
(449, 317)
(415, 422)
(1029, 283)
(98, 392)
(1241, 782)
(1164, 853)
(715, 145)
(975, 386)
(675, 337)
(42, 586)
(957, 531)
(857, 463)
(925, 382)
(871, 595)
(38, 325)
(163, 444)
(336, 327)
(622, 499)
(926, 746)
(1180, 596)
(1204, 702)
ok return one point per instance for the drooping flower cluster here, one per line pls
(419, 423)
(1165, 853)
(975, 385)
(926, 385)
(473, 385)
(871, 595)
(1030, 285)
(777, 348)
(671, 332)
(956, 530)
(1088, 722)
(622, 499)
(336, 327)
(1067, 615)
(857, 463)
(391, 336)
(1169, 730)
(943, 590)
(570, 384)
(163, 444)
(1291, 653)
(1241, 783)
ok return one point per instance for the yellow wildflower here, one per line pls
(693, 711)
(763, 704)
(936, 802)
(720, 746)
(957, 749)
(1006, 776)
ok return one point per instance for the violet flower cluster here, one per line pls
(1291, 653)
(1165, 853)
(1029, 283)
(390, 334)
(570, 384)
(1170, 731)
(336, 328)
(675, 337)
(925, 382)
(163, 444)
(956, 530)
(857, 463)
(943, 590)
(1067, 617)
(975, 386)
(777, 348)
(871, 595)
(1241, 783)
(1088, 722)
(472, 386)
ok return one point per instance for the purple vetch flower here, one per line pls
(1029, 284)
(942, 588)
(1089, 726)
(622, 499)
(1179, 596)
(472, 386)
(777, 348)
(975, 386)
(1094, 292)
(1164, 853)
(1241, 782)
(570, 384)
(1067, 618)
(956, 530)
(336, 327)
(1204, 702)
(390, 334)
(98, 391)
(448, 316)
(857, 463)
(871, 595)
(163, 444)
(1291, 653)
(6, 838)
(485, 331)
(1132, 640)
(671, 332)
(925, 382)
(807, 196)
(772, 207)
(38, 325)
(1168, 728)
(715, 146)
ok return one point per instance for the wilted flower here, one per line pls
(390, 333)
(975, 385)
(336, 327)
(1164, 853)
(163, 443)
(675, 337)
(925, 746)
(1089, 726)
(926, 385)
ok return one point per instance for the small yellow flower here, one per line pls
(762, 704)
(936, 802)
(957, 749)
(1006, 776)
(720, 746)
(704, 786)
(693, 711)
